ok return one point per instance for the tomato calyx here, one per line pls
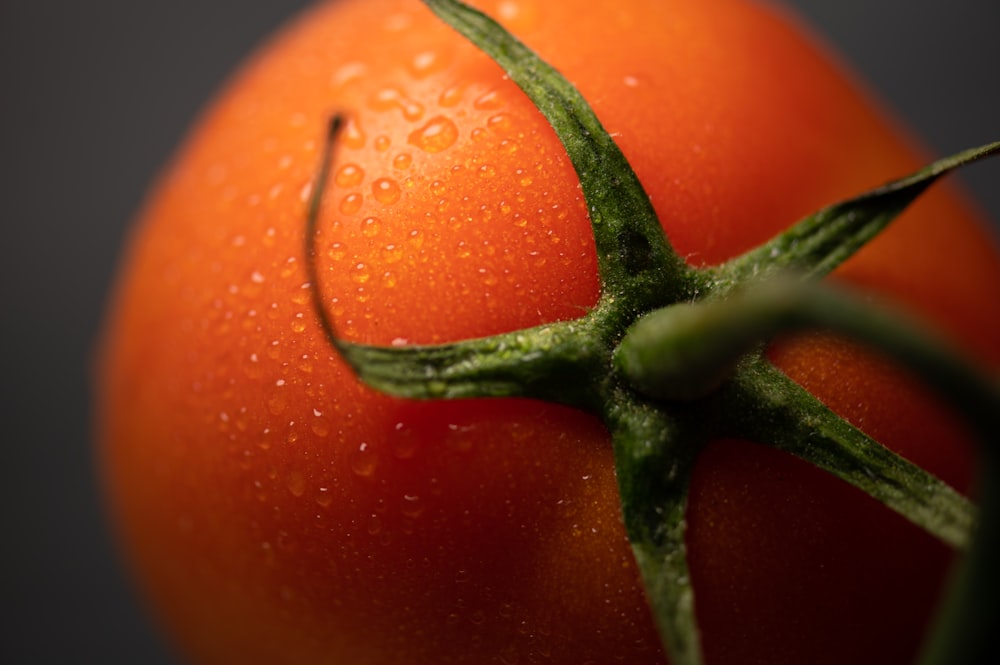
(642, 360)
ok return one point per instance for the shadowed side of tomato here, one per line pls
(276, 510)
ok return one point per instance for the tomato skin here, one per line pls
(277, 511)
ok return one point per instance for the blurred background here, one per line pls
(94, 96)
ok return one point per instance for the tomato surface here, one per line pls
(277, 511)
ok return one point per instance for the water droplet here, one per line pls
(404, 444)
(320, 426)
(386, 191)
(296, 483)
(388, 99)
(289, 268)
(382, 143)
(269, 237)
(487, 171)
(336, 252)
(305, 192)
(360, 274)
(364, 461)
(252, 367)
(509, 10)
(388, 280)
(507, 146)
(438, 134)
(452, 96)
(489, 101)
(631, 81)
(462, 576)
(402, 161)
(392, 254)
(351, 203)
(415, 239)
(499, 121)
(298, 324)
(349, 175)
(459, 438)
(302, 296)
(351, 71)
(374, 525)
(411, 506)
(354, 136)
(370, 227)
(425, 63)
(324, 498)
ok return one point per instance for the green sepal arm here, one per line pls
(635, 258)
(823, 240)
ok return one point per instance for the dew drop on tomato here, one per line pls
(364, 461)
(451, 96)
(402, 161)
(374, 525)
(323, 497)
(392, 254)
(411, 506)
(349, 175)
(320, 426)
(489, 101)
(389, 99)
(370, 227)
(499, 121)
(425, 63)
(388, 279)
(351, 203)
(437, 135)
(360, 274)
(404, 444)
(336, 252)
(386, 191)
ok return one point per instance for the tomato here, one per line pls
(277, 511)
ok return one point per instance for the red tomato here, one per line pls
(276, 511)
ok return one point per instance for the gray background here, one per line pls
(93, 96)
